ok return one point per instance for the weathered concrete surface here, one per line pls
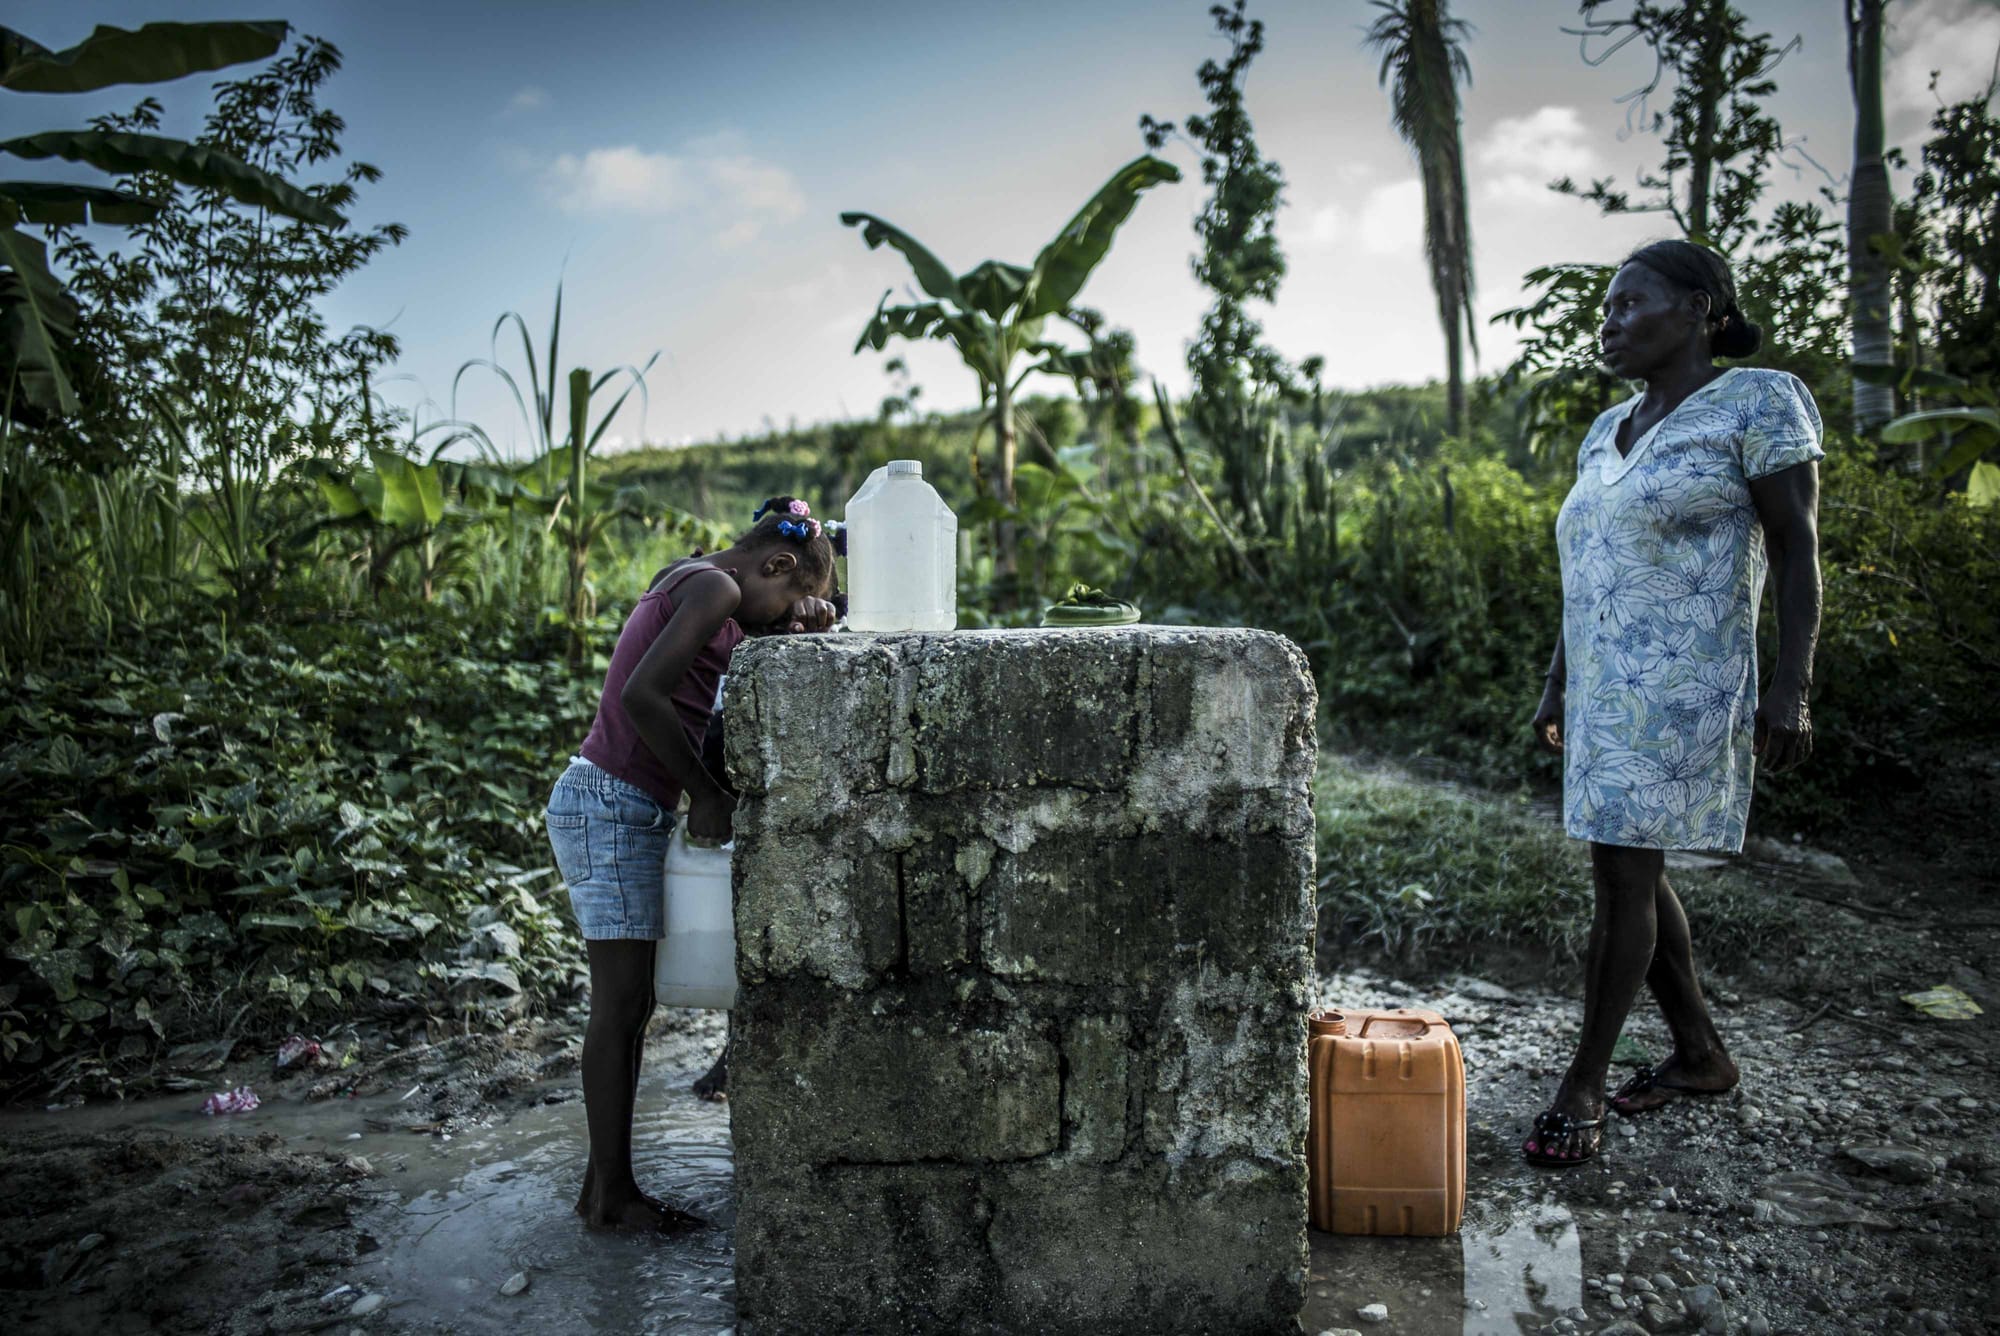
(1024, 923)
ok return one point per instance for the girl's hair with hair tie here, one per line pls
(1693, 268)
(788, 521)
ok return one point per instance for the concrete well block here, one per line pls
(895, 1085)
(1020, 1032)
(1085, 687)
(1143, 1250)
(1076, 909)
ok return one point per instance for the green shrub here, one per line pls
(1909, 644)
(258, 833)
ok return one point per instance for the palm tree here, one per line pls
(1869, 215)
(1422, 65)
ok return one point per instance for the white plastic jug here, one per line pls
(902, 553)
(696, 965)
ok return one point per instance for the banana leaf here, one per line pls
(1982, 489)
(1938, 421)
(1910, 378)
(35, 314)
(411, 493)
(340, 496)
(1060, 270)
(194, 165)
(155, 53)
(931, 273)
(993, 287)
(64, 202)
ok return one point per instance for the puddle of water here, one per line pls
(1508, 1272)
(454, 1217)
(452, 1230)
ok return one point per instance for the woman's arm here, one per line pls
(701, 606)
(1548, 722)
(1788, 505)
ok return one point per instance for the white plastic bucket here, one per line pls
(696, 964)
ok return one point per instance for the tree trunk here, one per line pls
(1869, 215)
(1136, 448)
(1006, 565)
(1710, 88)
(1454, 357)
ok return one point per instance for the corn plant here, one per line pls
(551, 480)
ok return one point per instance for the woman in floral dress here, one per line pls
(1652, 698)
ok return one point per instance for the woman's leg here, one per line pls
(621, 1001)
(1622, 937)
(1700, 1060)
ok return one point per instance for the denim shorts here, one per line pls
(610, 840)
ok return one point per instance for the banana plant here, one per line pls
(1967, 431)
(401, 505)
(37, 315)
(994, 312)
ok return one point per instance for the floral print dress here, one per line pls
(1663, 568)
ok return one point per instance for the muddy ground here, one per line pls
(1851, 1184)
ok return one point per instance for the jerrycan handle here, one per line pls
(1394, 1027)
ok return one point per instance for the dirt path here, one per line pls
(1851, 1184)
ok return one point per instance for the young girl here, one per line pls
(611, 814)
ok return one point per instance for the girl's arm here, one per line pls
(805, 615)
(702, 605)
(1788, 504)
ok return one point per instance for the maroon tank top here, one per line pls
(614, 745)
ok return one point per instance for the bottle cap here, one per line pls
(906, 468)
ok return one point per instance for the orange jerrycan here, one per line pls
(1387, 1147)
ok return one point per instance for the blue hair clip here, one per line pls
(761, 511)
(837, 535)
(799, 529)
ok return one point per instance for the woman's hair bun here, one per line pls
(1695, 268)
(1737, 338)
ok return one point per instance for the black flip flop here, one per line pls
(1648, 1078)
(1553, 1127)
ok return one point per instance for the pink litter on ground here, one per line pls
(298, 1051)
(240, 1100)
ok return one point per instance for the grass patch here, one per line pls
(1432, 876)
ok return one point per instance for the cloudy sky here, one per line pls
(680, 167)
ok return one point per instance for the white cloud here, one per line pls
(530, 98)
(1324, 225)
(760, 191)
(737, 193)
(806, 291)
(1520, 155)
(623, 178)
(1956, 38)
(1391, 219)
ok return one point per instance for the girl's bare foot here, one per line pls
(636, 1211)
(583, 1200)
(1650, 1087)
